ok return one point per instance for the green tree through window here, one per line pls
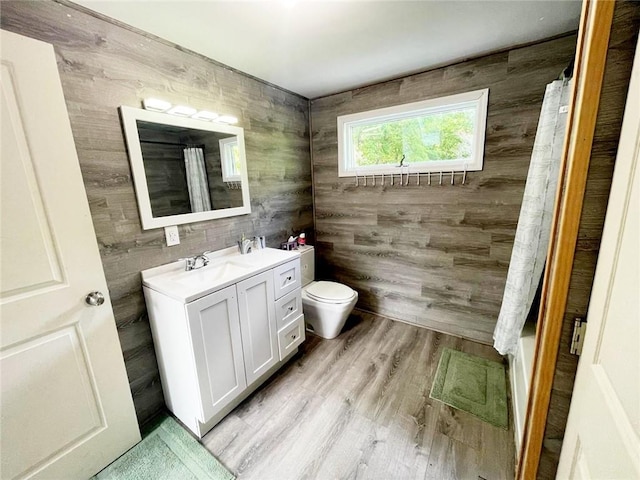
(436, 136)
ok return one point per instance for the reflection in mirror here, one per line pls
(230, 159)
(185, 170)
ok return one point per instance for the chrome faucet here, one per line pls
(198, 261)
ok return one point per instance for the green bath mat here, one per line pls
(472, 384)
(167, 452)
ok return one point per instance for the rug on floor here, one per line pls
(472, 384)
(167, 452)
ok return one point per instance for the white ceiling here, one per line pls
(316, 48)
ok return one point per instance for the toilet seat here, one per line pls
(329, 292)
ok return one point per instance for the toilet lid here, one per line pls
(330, 292)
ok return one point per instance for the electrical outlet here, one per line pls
(172, 235)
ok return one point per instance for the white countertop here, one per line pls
(226, 267)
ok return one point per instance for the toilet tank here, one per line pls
(307, 263)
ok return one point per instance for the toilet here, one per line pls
(326, 305)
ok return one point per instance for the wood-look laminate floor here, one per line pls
(358, 407)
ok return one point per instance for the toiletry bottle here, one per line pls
(302, 239)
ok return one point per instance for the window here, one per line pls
(442, 134)
(230, 159)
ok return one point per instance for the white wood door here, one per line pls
(65, 401)
(602, 439)
(214, 329)
(256, 303)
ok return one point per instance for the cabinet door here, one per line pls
(217, 350)
(258, 324)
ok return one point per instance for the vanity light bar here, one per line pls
(205, 115)
(157, 105)
(182, 111)
(227, 119)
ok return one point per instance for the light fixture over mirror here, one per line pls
(184, 169)
(157, 105)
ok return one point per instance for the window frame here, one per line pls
(477, 98)
(226, 160)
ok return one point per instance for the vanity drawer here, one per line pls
(286, 278)
(291, 336)
(288, 308)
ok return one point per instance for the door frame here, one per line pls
(591, 53)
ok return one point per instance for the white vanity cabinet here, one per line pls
(256, 301)
(214, 334)
(216, 343)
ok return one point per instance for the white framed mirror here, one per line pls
(181, 168)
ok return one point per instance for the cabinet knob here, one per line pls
(289, 278)
(290, 308)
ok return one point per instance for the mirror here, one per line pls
(185, 170)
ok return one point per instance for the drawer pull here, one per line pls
(289, 278)
(293, 337)
(291, 308)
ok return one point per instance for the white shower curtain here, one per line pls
(197, 179)
(534, 224)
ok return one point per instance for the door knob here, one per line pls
(95, 299)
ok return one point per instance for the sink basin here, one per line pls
(213, 274)
(225, 268)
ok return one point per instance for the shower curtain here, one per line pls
(534, 224)
(197, 179)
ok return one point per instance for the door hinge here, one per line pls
(579, 330)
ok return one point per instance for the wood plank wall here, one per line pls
(622, 44)
(435, 256)
(102, 66)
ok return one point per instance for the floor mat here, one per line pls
(472, 384)
(168, 452)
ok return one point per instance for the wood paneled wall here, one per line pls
(622, 44)
(435, 256)
(104, 65)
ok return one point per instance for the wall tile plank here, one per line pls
(435, 256)
(102, 66)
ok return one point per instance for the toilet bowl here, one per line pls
(326, 305)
